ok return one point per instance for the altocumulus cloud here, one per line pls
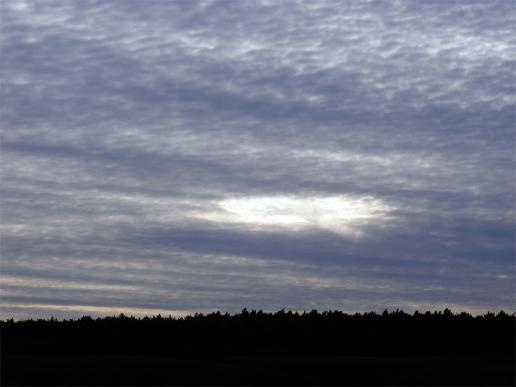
(169, 157)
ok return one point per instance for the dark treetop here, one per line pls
(254, 347)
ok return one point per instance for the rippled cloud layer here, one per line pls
(174, 157)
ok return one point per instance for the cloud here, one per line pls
(131, 130)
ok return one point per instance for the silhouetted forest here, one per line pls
(257, 348)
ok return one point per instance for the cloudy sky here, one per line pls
(189, 156)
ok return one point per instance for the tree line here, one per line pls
(280, 332)
(254, 347)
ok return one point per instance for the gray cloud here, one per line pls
(126, 126)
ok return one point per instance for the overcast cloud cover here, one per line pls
(177, 156)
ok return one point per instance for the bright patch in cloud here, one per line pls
(340, 214)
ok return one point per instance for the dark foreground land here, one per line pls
(255, 348)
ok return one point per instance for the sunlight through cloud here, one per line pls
(340, 214)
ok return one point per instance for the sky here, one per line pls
(189, 156)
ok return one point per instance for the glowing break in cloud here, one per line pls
(340, 214)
